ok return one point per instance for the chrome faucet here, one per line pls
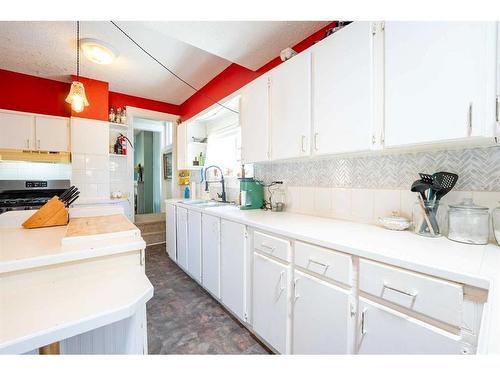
(223, 195)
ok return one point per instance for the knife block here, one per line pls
(51, 214)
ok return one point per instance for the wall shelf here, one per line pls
(118, 125)
(117, 155)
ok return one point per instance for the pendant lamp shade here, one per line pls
(76, 97)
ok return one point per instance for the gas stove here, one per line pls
(29, 194)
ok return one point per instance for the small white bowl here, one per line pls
(394, 222)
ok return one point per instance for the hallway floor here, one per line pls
(184, 319)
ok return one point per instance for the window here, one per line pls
(224, 150)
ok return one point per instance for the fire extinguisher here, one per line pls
(121, 144)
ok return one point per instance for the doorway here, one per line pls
(152, 139)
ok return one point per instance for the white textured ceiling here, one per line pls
(247, 43)
(196, 51)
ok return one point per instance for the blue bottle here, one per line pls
(186, 192)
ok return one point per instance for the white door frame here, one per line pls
(134, 112)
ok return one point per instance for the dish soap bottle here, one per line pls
(186, 192)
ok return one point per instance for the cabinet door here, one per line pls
(435, 73)
(384, 331)
(181, 146)
(182, 238)
(194, 245)
(211, 254)
(52, 134)
(290, 106)
(17, 131)
(232, 273)
(270, 302)
(254, 119)
(321, 317)
(89, 136)
(342, 90)
(171, 232)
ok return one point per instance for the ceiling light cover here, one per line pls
(98, 51)
(76, 97)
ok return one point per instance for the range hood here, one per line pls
(35, 156)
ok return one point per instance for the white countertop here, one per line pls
(474, 265)
(34, 313)
(439, 257)
(27, 248)
(90, 201)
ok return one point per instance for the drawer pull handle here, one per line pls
(412, 295)
(269, 247)
(282, 282)
(319, 263)
(296, 294)
(363, 323)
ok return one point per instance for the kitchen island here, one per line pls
(88, 296)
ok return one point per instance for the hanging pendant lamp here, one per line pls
(76, 96)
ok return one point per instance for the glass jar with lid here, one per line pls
(468, 223)
(496, 223)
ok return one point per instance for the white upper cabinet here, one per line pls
(439, 81)
(17, 131)
(342, 71)
(254, 120)
(290, 107)
(52, 133)
(89, 136)
(25, 131)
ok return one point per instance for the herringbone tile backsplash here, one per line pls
(478, 170)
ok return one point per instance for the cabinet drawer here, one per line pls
(324, 262)
(271, 245)
(438, 299)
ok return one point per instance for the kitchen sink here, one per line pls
(204, 203)
(193, 202)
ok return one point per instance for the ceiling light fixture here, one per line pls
(98, 51)
(76, 96)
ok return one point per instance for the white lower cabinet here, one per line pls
(233, 273)
(382, 330)
(322, 320)
(210, 239)
(171, 232)
(194, 245)
(182, 238)
(271, 294)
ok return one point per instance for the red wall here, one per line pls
(25, 93)
(235, 77)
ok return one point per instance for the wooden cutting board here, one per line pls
(88, 229)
